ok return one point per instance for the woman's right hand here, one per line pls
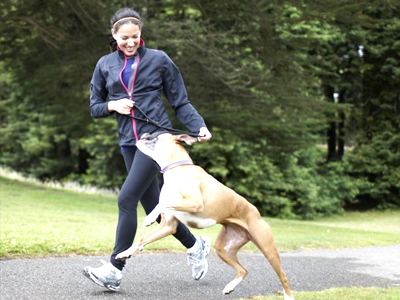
(122, 106)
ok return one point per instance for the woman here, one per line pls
(133, 75)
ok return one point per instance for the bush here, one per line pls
(375, 166)
(106, 167)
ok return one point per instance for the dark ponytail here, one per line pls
(131, 15)
(113, 44)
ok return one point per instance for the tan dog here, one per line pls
(195, 198)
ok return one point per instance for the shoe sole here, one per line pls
(205, 270)
(106, 285)
(206, 241)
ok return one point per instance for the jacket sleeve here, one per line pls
(98, 94)
(175, 91)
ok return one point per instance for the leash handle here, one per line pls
(148, 120)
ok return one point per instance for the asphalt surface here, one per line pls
(167, 276)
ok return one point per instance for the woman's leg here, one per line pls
(141, 173)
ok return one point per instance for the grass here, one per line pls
(38, 221)
(343, 294)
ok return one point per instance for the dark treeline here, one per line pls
(302, 97)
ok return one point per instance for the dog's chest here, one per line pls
(170, 194)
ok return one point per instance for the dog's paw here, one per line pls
(230, 287)
(123, 256)
(227, 290)
(126, 254)
(286, 297)
(149, 220)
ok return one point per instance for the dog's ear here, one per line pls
(186, 138)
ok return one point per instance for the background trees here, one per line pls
(262, 73)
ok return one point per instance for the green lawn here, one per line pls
(37, 221)
(343, 294)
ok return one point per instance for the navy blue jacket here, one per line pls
(155, 72)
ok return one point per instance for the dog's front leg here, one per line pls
(152, 217)
(166, 227)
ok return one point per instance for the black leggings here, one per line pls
(141, 184)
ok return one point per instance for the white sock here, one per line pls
(115, 268)
(194, 248)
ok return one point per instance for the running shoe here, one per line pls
(197, 257)
(106, 276)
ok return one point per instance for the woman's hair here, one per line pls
(121, 17)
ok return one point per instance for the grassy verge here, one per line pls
(343, 294)
(37, 221)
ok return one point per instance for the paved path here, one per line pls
(167, 276)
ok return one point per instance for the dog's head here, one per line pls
(164, 148)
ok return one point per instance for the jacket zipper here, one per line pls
(130, 93)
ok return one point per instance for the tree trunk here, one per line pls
(331, 134)
(341, 143)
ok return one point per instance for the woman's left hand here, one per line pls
(204, 134)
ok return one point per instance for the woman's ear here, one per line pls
(113, 34)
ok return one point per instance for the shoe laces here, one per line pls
(106, 268)
(195, 258)
(103, 262)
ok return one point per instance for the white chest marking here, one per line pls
(169, 194)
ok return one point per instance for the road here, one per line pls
(166, 276)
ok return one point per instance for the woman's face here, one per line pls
(128, 38)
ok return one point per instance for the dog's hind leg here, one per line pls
(230, 239)
(261, 236)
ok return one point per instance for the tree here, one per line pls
(49, 48)
(375, 160)
(262, 73)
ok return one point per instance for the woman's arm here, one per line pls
(175, 91)
(98, 94)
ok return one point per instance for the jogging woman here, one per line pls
(134, 75)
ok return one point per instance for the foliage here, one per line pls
(262, 72)
(106, 167)
(375, 160)
(375, 167)
(44, 48)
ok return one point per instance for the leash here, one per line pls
(148, 120)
